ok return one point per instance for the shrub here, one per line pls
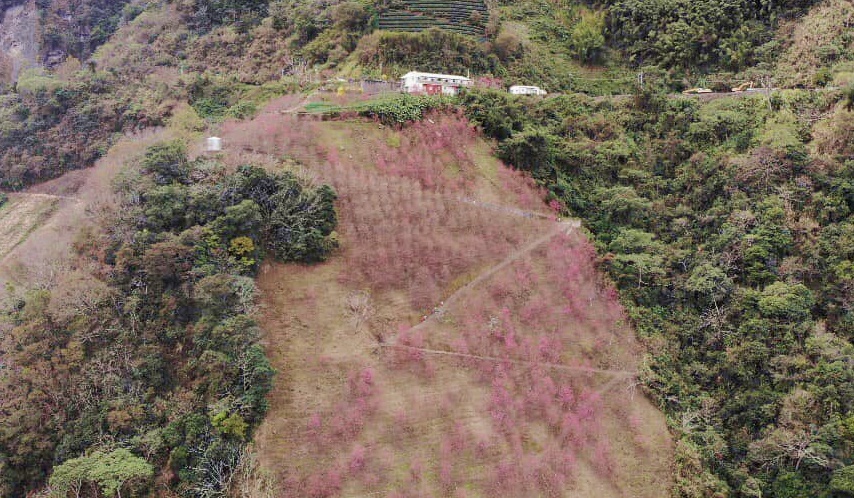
(533, 150)
(842, 481)
(242, 110)
(166, 162)
(822, 77)
(404, 108)
(300, 227)
(588, 38)
(785, 301)
(36, 81)
(497, 113)
(849, 98)
(186, 119)
(507, 45)
(230, 425)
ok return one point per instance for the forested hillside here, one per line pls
(726, 227)
(700, 35)
(147, 343)
(718, 277)
(167, 52)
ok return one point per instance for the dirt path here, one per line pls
(49, 196)
(553, 366)
(566, 226)
(506, 210)
(294, 109)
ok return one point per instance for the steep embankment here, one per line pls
(38, 226)
(459, 344)
(18, 44)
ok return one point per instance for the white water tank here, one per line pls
(214, 144)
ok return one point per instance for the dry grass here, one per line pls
(425, 211)
(22, 214)
(834, 136)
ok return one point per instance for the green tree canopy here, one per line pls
(842, 481)
(110, 471)
(786, 301)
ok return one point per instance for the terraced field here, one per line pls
(467, 17)
(22, 214)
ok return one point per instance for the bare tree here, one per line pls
(217, 474)
(250, 480)
(795, 445)
(360, 308)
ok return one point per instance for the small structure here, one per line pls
(213, 144)
(526, 90)
(434, 84)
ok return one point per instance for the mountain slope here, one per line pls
(819, 47)
(18, 45)
(511, 313)
(460, 340)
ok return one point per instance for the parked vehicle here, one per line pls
(695, 91)
(747, 85)
(527, 90)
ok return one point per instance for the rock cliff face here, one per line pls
(19, 45)
(49, 32)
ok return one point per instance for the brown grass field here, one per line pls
(459, 343)
(22, 214)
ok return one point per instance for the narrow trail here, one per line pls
(302, 104)
(565, 226)
(615, 381)
(504, 209)
(48, 196)
(554, 366)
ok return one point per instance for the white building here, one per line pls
(526, 90)
(434, 84)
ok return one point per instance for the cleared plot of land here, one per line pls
(22, 214)
(460, 343)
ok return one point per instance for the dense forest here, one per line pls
(699, 34)
(149, 345)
